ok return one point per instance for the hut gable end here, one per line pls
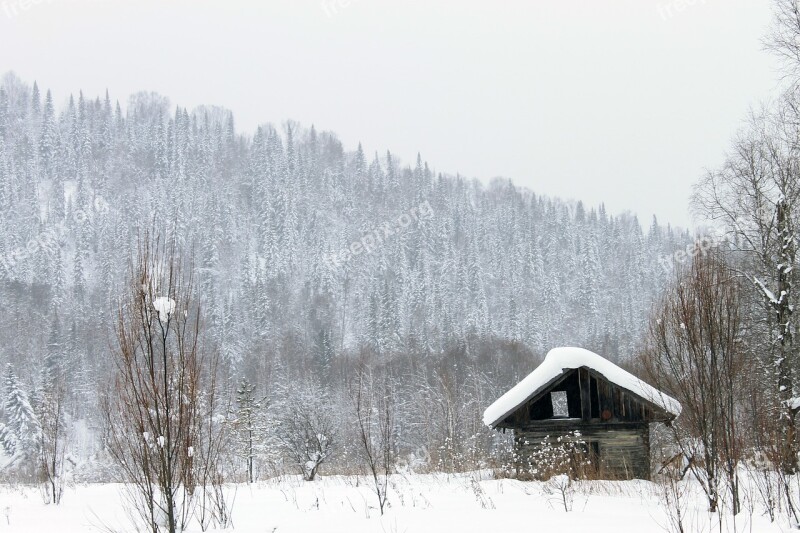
(613, 387)
(588, 397)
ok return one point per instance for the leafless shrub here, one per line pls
(562, 488)
(214, 509)
(306, 428)
(674, 498)
(553, 456)
(373, 406)
(694, 351)
(53, 439)
(158, 407)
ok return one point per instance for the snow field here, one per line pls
(418, 503)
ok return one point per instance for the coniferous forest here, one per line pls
(307, 255)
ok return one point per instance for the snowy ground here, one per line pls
(419, 503)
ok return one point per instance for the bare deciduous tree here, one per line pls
(784, 40)
(754, 197)
(164, 387)
(53, 438)
(373, 406)
(694, 351)
(306, 429)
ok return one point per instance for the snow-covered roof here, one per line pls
(561, 360)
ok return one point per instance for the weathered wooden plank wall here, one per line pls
(624, 451)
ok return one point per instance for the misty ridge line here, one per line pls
(247, 135)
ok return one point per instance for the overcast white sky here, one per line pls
(619, 101)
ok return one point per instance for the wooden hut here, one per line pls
(577, 390)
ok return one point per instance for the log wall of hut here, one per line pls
(618, 452)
